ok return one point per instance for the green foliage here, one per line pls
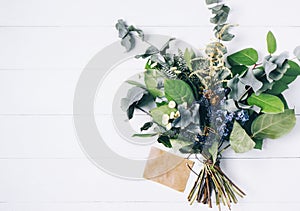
(258, 143)
(238, 69)
(158, 112)
(188, 56)
(248, 57)
(134, 96)
(151, 77)
(288, 77)
(240, 141)
(144, 135)
(165, 140)
(273, 125)
(127, 35)
(146, 126)
(220, 13)
(179, 91)
(268, 103)
(271, 42)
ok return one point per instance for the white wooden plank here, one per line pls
(264, 181)
(39, 92)
(147, 206)
(42, 137)
(175, 12)
(72, 48)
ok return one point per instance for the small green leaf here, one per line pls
(273, 125)
(144, 135)
(158, 112)
(179, 91)
(258, 143)
(165, 140)
(248, 57)
(188, 56)
(146, 126)
(268, 103)
(240, 141)
(271, 42)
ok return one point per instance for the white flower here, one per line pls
(172, 115)
(169, 126)
(165, 119)
(172, 104)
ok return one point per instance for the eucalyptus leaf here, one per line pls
(149, 51)
(179, 91)
(237, 89)
(220, 14)
(128, 42)
(166, 46)
(212, 1)
(240, 141)
(271, 42)
(122, 28)
(144, 135)
(248, 57)
(249, 79)
(268, 103)
(273, 125)
(297, 52)
(134, 95)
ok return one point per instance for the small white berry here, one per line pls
(165, 119)
(172, 104)
(172, 115)
(169, 126)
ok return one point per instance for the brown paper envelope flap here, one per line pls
(167, 169)
(161, 162)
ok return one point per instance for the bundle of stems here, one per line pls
(212, 179)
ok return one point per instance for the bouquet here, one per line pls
(212, 101)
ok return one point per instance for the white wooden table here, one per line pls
(45, 44)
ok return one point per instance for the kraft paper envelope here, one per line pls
(167, 169)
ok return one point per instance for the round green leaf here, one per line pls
(248, 56)
(179, 91)
(273, 125)
(268, 103)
